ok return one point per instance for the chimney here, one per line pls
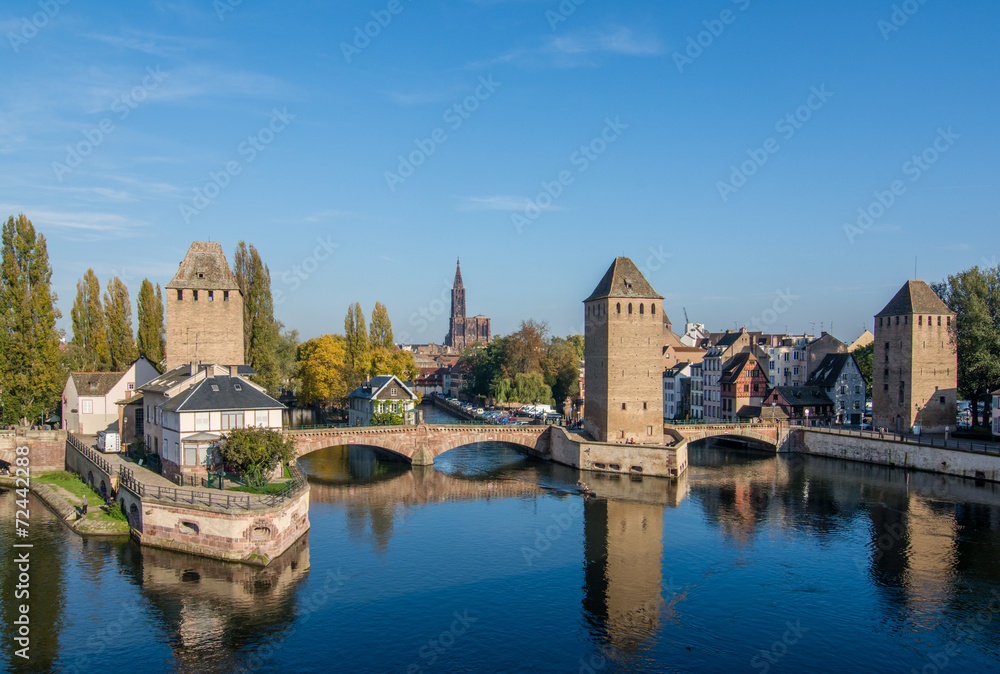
(234, 370)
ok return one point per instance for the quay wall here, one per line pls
(573, 450)
(48, 448)
(886, 452)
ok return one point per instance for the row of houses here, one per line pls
(743, 375)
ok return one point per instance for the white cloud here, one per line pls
(500, 202)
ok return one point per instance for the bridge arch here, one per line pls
(770, 435)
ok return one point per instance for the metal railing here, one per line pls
(211, 498)
(90, 454)
(910, 439)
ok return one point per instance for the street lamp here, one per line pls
(807, 416)
(774, 411)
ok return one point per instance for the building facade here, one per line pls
(623, 346)
(203, 310)
(915, 363)
(841, 378)
(89, 399)
(385, 393)
(464, 331)
(743, 384)
(677, 392)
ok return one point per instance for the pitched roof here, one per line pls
(95, 383)
(916, 297)
(371, 388)
(802, 395)
(623, 279)
(204, 267)
(734, 367)
(168, 379)
(221, 393)
(729, 338)
(828, 371)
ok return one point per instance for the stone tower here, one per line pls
(915, 363)
(464, 331)
(623, 348)
(204, 310)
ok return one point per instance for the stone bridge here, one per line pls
(419, 445)
(772, 435)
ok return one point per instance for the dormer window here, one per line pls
(237, 387)
(201, 274)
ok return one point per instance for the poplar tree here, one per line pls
(356, 334)
(30, 376)
(118, 318)
(380, 332)
(87, 314)
(150, 336)
(260, 330)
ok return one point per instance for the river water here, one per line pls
(492, 562)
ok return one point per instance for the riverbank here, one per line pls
(68, 508)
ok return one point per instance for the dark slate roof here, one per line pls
(828, 371)
(729, 339)
(204, 267)
(371, 388)
(168, 379)
(733, 367)
(202, 397)
(803, 395)
(748, 412)
(675, 369)
(916, 297)
(623, 279)
(95, 383)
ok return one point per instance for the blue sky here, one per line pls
(723, 145)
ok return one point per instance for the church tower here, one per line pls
(204, 310)
(623, 348)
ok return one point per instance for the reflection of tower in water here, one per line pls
(623, 554)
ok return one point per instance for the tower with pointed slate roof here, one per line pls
(204, 310)
(464, 331)
(915, 363)
(623, 348)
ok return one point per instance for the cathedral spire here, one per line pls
(458, 274)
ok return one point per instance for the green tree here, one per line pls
(865, 358)
(561, 367)
(260, 330)
(380, 331)
(577, 341)
(256, 452)
(150, 337)
(118, 318)
(530, 387)
(323, 370)
(526, 348)
(387, 419)
(287, 358)
(89, 331)
(974, 296)
(357, 344)
(30, 376)
(381, 360)
(486, 366)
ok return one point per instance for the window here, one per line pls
(260, 418)
(885, 387)
(630, 307)
(201, 274)
(180, 294)
(392, 391)
(941, 400)
(194, 295)
(86, 407)
(131, 386)
(618, 307)
(225, 295)
(211, 296)
(795, 370)
(786, 356)
(920, 321)
(623, 405)
(201, 421)
(652, 309)
(897, 320)
(232, 420)
(644, 404)
(642, 309)
(949, 321)
(939, 321)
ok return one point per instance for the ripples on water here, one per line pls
(490, 561)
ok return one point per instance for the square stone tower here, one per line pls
(623, 349)
(915, 362)
(204, 310)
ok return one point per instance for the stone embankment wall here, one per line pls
(961, 463)
(253, 536)
(657, 460)
(48, 448)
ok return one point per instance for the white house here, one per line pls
(89, 398)
(677, 391)
(385, 393)
(187, 415)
